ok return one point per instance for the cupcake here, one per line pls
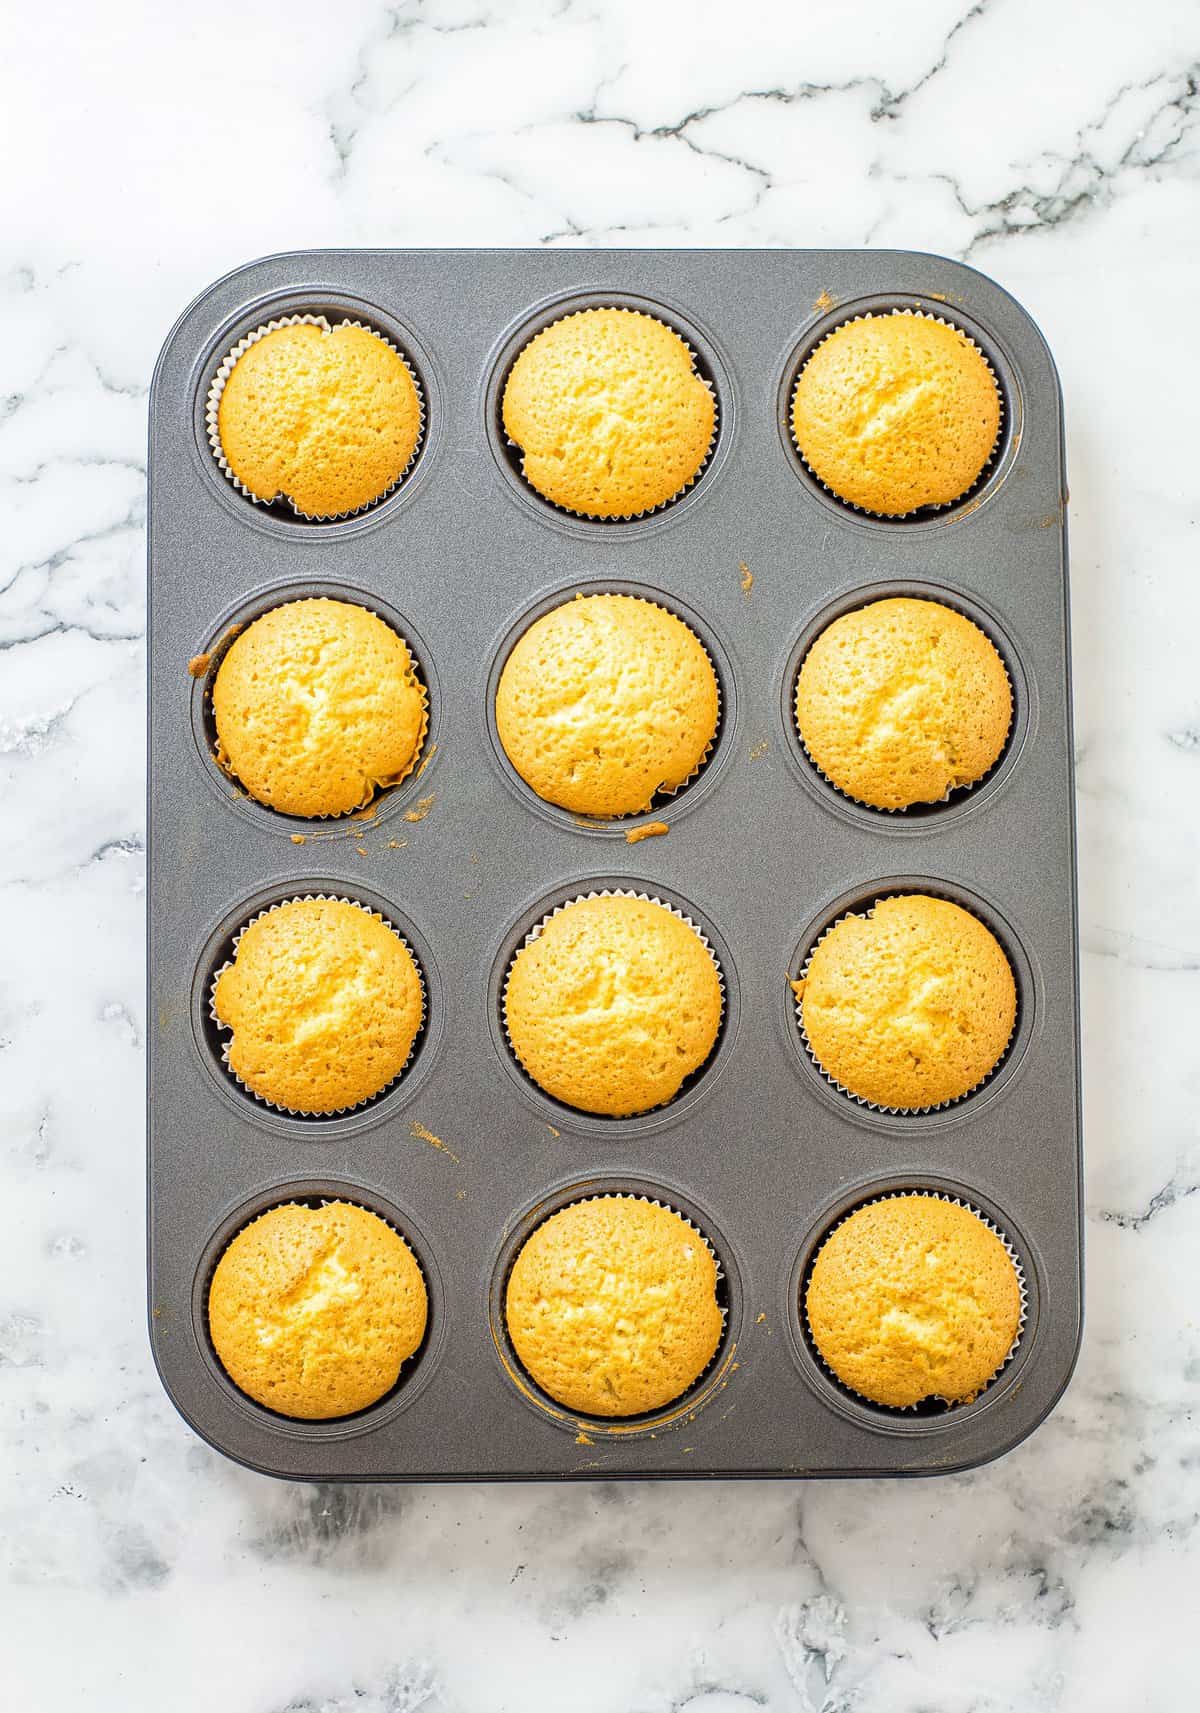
(609, 413)
(327, 418)
(612, 1003)
(902, 702)
(324, 1002)
(313, 1310)
(895, 412)
(909, 1005)
(606, 701)
(318, 706)
(612, 1306)
(914, 1297)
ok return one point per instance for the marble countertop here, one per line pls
(148, 149)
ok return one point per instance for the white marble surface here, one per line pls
(148, 148)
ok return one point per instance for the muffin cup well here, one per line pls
(949, 1405)
(212, 405)
(213, 643)
(647, 511)
(416, 1370)
(859, 1100)
(535, 933)
(924, 805)
(931, 506)
(663, 791)
(678, 1408)
(227, 1033)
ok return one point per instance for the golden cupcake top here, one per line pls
(313, 1310)
(903, 701)
(609, 413)
(912, 1298)
(612, 1307)
(325, 417)
(318, 705)
(895, 412)
(604, 702)
(910, 1004)
(325, 1003)
(614, 1004)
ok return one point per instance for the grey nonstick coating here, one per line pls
(464, 1154)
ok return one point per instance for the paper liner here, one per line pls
(929, 505)
(212, 405)
(651, 1201)
(955, 791)
(226, 1029)
(858, 1099)
(379, 790)
(535, 933)
(647, 511)
(950, 1403)
(661, 790)
(307, 1202)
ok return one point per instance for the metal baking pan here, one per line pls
(464, 1154)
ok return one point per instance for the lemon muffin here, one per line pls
(324, 1001)
(614, 1003)
(914, 1297)
(909, 1005)
(318, 705)
(313, 1310)
(612, 1306)
(326, 417)
(902, 702)
(895, 412)
(609, 412)
(606, 701)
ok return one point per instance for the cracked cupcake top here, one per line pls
(604, 702)
(895, 412)
(913, 1297)
(613, 1005)
(611, 1306)
(313, 1310)
(609, 412)
(909, 1005)
(903, 701)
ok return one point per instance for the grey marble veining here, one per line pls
(147, 149)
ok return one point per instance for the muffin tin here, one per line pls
(464, 1154)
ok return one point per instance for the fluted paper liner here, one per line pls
(212, 406)
(922, 802)
(535, 933)
(930, 506)
(955, 1201)
(648, 511)
(297, 1112)
(379, 789)
(651, 1201)
(858, 1099)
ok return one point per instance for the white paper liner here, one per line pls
(950, 1403)
(661, 790)
(858, 1099)
(227, 1030)
(212, 406)
(650, 1201)
(647, 511)
(955, 791)
(307, 1202)
(929, 505)
(535, 934)
(380, 791)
